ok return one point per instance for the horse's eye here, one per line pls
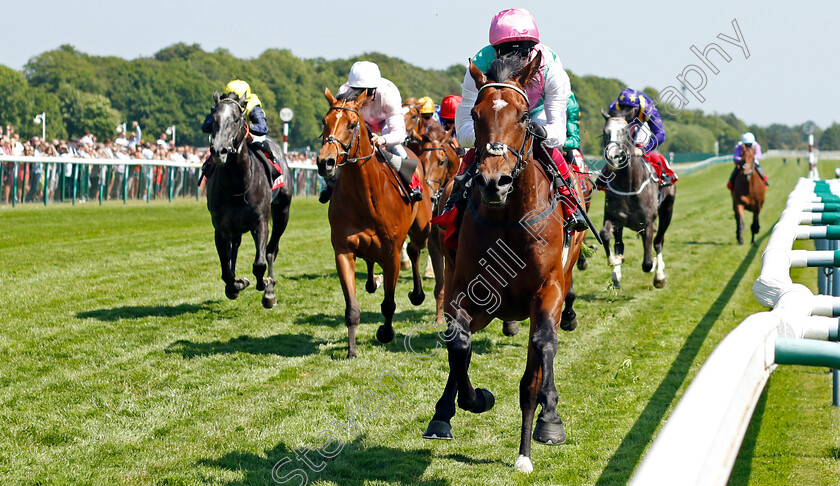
(524, 118)
(352, 125)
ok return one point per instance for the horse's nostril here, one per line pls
(481, 180)
(330, 163)
(504, 181)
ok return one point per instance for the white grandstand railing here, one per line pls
(700, 441)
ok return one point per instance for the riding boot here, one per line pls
(207, 168)
(575, 220)
(406, 173)
(761, 174)
(729, 184)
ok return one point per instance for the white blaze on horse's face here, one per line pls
(614, 133)
(499, 104)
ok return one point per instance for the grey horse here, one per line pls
(633, 200)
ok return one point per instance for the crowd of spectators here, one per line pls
(37, 180)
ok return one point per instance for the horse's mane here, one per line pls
(350, 95)
(621, 112)
(506, 67)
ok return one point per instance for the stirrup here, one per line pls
(576, 222)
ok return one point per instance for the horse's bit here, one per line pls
(346, 147)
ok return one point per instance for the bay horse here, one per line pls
(368, 214)
(747, 194)
(239, 199)
(633, 200)
(514, 260)
(440, 163)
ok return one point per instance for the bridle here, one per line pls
(448, 161)
(628, 159)
(238, 146)
(416, 119)
(501, 149)
(346, 148)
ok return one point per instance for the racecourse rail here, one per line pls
(700, 441)
(303, 177)
(167, 175)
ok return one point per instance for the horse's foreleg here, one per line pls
(416, 296)
(227, 250)
(543, 341)
(345, 263)
(755, 227)
(260, 235)
(459, 346)
(647, 241)
(606, 234)
(436, 256)
(390, 274)
(528, 390)
(739, 223)
(440, 426)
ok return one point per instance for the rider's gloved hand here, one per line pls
(538, 131)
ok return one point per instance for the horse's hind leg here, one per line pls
(647, 239)
(739, 224)
(279, 218)
(436, 257)
(755, 227)
(568, 319)
(666, 212)
(370, 283)
(416, 296)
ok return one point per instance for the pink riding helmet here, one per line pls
(513, 24)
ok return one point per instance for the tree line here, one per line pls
(175, 87)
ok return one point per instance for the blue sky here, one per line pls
(790, 76)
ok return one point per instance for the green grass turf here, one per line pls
(121, 361)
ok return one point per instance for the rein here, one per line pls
(346, 148)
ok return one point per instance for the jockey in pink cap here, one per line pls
(514, 32)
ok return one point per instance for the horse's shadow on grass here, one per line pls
(353, 463)
(142, 311)
(366, 317)
(287, 345)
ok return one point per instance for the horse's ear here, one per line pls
(425, 139)
(605, 114)
(361, 98)
(479, 77)
(329, 96)
(530, 70)
(216, 97)
(448, 135)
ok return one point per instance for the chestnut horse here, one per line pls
(747, 194)
(239, 199)
(514, 260)
(368, 213)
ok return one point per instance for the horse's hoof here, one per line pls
(659, 283)
(582, 264)
(351, 355)
(417, 298)
(242, 284)
(523, 464)
(261, 283)
(647, 267)
(549, 433)
(269, 301)
(616, 284)
(484, 400)
(370, 286)
(568, 324)
(429, 273)
(510, 328)
(231, 293)
(385, 334)
(405, 264)
(438, 429)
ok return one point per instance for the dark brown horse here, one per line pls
(513, 261)
(369, 216)
(239, 199)
(747, 194)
